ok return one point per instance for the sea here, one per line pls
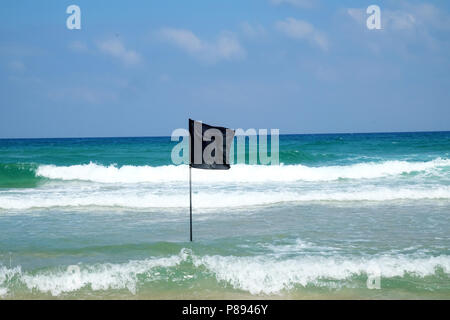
(342, 216)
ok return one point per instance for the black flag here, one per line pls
(209, 146)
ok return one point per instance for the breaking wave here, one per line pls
(143, 200)
(256, 274)
(237, 173)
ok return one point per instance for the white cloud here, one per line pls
(253, 30)
(406, 23)
(226, 46)
(16, 66)
(116, 49)
(427, 15)
(406, 17)
(399, 20)
(302, 30)
(164, 77)
(20, 50)
(296, 3)
(359, 15)
(393, 20)
(84, 94)
(78, 46)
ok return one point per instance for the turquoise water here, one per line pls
(109, 218)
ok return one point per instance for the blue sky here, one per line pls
(142, 68)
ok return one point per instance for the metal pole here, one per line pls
(190, 202)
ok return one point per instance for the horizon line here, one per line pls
(281, 134)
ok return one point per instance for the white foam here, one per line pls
(297, 247)
(6, 275)
(257, 274)
(237, 173)
(99, 276)
(264, 275)
(205, 199)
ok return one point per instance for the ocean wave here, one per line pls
(98, 277)
(18, 175)
(263, 275)
(256, 274)
(237, 174)
(146, 200)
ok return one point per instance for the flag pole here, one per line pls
(190, 202)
